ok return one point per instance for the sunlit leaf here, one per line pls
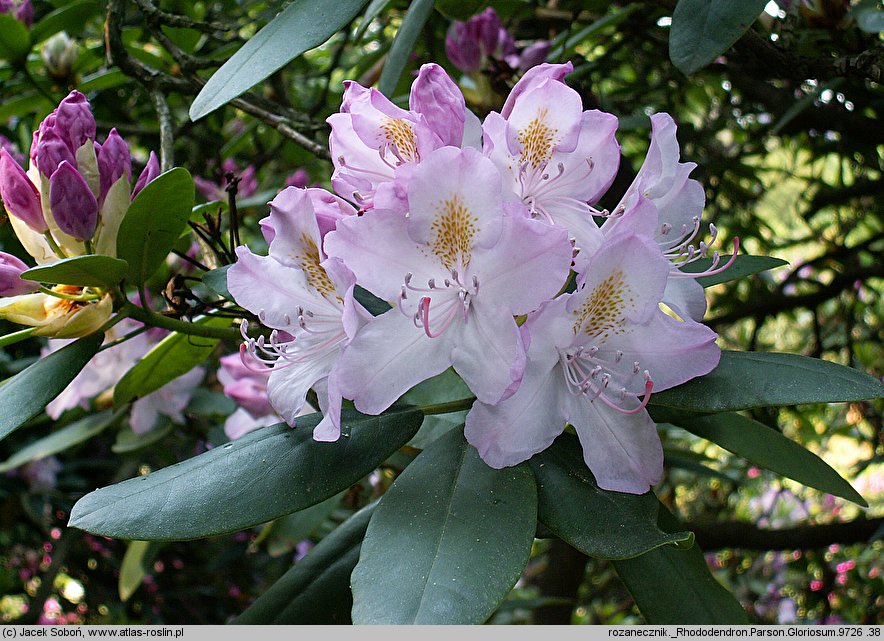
(769, 449)
(301, 26)
(702, 30)
(154, 222)
(92, 270)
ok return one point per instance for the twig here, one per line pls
(167, 151)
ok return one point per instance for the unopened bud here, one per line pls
(59, 53)
(11, 283)
(51, 151)
(114, 161)
(151, 171)
(74, 121)
(435, 95)
(72, 203)
(19, 194)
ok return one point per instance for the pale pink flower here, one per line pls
(591, 355)
(458, 267)
(307, 300)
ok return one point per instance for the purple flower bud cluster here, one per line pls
(79, 170)
(469, 45)
(23, 10)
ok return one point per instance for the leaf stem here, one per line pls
(15, 337)
(447, 408)
(54, 245)
(182, 327)
(85, 298)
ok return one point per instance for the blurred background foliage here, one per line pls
(785, 129)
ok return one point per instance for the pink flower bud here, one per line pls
(73, 205)
(25, 13)
(437, 98)
(462, 47)
(113, 161)
(151, 171)
(51, 151)
(74, 121)
(19, 194)
(533, 55)
(11, 283)
(299, 178)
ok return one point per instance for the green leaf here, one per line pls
(71, 18)
(136, 563)
(448, 541)
(92, 270)
(674, 586)
(374, 9)
(444, 387)
(702, 30)
(303, 25)
(744, 265)
(26, 394)
(744, 380)
(769, 449)
(60, 440)
(461, 10)
(172, 357)
(317, 589)
(403, 45)
(263, 475)
(284, 534)
(128, 441)
(154, 222)
(216, 280)
(14, 39)
(599, 523)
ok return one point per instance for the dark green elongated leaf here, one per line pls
(702, 30)
(374, 9)
(128, 441)
(769, 449)
(138, 558)
(403, 45)
(303, 25)
(172, 357)
(71, 18)
(26, 394)
(216, 280)
(744, 265)
(317, 589)
(60, 440)
(154, 222)
(284, 534)
(14, 39)
(263, 475)
(672, 585)
(105, 79)
(92, 270)
(448, 541)
(601, 524)
(744, 380)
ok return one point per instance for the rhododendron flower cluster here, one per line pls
(486, 241)
(70, 202)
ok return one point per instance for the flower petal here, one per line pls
(388, 357)
(623, 451)
(514, 430)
